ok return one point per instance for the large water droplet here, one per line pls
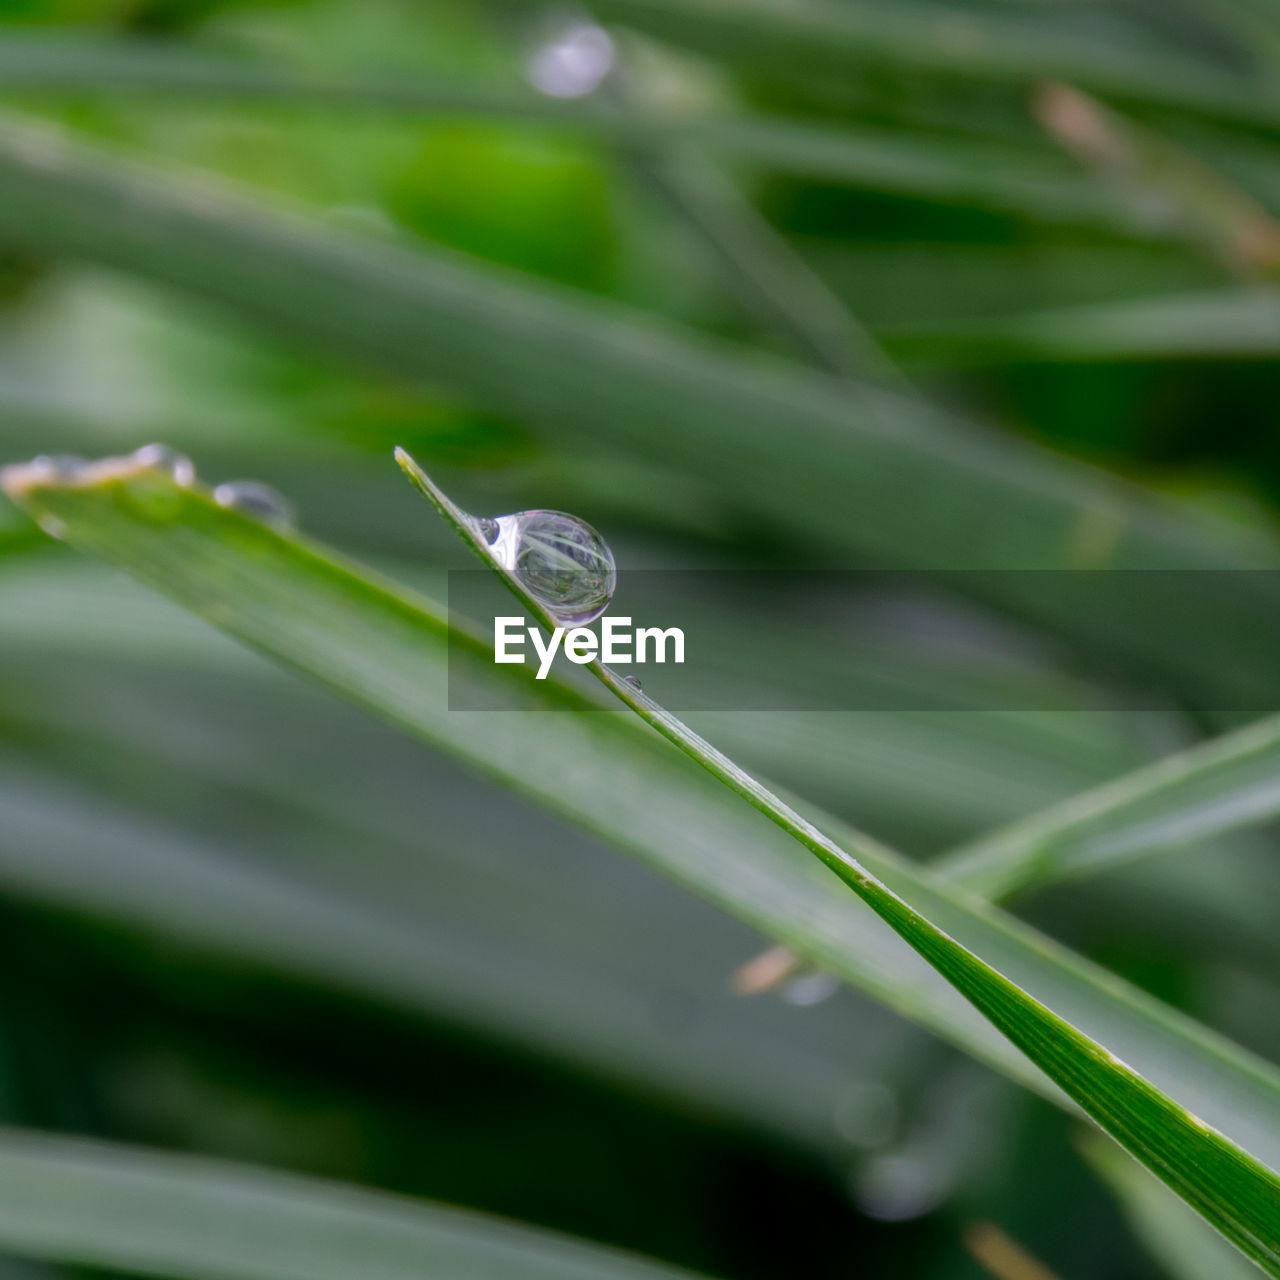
(257, 500)
(159, 457)
(634, 682)
(560, 560)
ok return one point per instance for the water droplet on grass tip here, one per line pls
(159, 457)
(257, 500)
(559, 560)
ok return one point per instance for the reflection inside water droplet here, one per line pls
(257, 500)
(159, 457)
(560, 560)
(633, 681)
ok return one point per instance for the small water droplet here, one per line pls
(59, 466)
(810, 988)
(633, 681)
(159, 457)
(560, 560)
(901, 1185)
(574, 63)
(257, 500)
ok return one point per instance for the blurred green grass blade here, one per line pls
(443, 958)
(773, 282)
(896, 482)
(1210, 789)
(152, 1213)
(1216, 324)
(1210, 211)
(606, 772)
(1014, 179)
(822, 38)
(1176, 1238)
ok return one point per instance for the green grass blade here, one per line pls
(1175, 1238)
(1205, 791)
(1012, 179)
(1178, 1146)
(773, 282)
(121, 1208)
(823, 39)
(610, 775)
(1241, 323)
(589, 372)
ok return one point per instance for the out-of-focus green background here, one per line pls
(239, 918)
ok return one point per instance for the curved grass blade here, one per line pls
(608, 773)
(1179, 1147)
(152, 1213)
(584, 370)
(1214, 787)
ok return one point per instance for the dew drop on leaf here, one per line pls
(256, 500)
(159, 457)
(60, 466)
(559, 560)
